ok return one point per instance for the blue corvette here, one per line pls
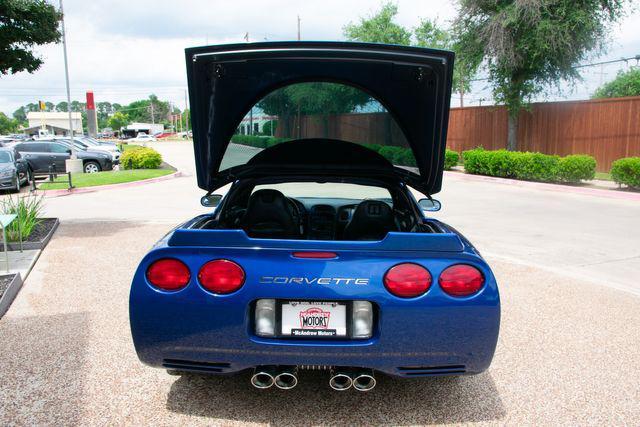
(320, 254)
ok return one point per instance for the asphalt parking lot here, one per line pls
(569, 348)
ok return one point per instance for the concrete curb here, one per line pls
(596, 192)
(10, 294)
(60, 193)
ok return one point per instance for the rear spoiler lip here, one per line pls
(394, 241)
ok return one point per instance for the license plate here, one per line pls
(314, 319)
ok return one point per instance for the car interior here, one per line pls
(268, 213)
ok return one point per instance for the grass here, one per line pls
(105, 178)
(605, 176)
(126, 147)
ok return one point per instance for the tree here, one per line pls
(62, 106)
(25, 24)
(379, 28)
(49, 106)
(7, 125)
(118, 120)
(625, 84)
(314, 98)
(150, 110)
(429, 34)
(530, 45)
(20, 115)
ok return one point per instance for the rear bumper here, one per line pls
(434, 334)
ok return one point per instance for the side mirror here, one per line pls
(430, 205)
(69, 152)
(210, 200)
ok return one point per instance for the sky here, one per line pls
(126, 50)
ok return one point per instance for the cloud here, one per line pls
(125, 50)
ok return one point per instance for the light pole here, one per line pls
(73, 164)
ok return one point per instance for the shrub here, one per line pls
(250, 140)
(576, 168)
(391, 153)
(536, 167)
(450, 159)
(476, 161)
(626, 171)
(529, 166)
(28, 209)
(141, 158)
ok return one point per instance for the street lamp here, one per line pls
(73, 164)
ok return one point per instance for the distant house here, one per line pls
(55, 123)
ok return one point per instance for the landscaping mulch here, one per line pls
(41, 230)
(4, 282)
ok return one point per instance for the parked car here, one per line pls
(88, 143)
(143, 138)
(42, 154)
(14, 171)
(318, 256)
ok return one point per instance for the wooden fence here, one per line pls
(607, 129)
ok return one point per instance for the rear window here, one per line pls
(318, 110)
(324, 190)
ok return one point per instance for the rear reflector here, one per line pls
(407, 280)
(317, 255)
(461, 280)
(221, 276)
(168, 274)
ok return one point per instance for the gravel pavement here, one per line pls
(568, 353)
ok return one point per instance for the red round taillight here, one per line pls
(407, 280)
(168, 274)
(221, 276)
(461, 280)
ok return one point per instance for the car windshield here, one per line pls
(333, 190)
(313, 110)
(5, 157)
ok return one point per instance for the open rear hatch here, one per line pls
(413, 84)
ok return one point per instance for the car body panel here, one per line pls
(414, 85)
(434, 330)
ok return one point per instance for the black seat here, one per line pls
(371, 220)
(270, 215)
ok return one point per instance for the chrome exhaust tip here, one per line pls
(262, 378)
(340, 381)
(287, 379)
(364, 381)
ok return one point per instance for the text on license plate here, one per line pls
(314, 319)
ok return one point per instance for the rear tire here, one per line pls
(91, 167)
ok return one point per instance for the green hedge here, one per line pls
(140, 158)
(576, 168)
(451, 159)
(529, 166)
(257, 141)
(626, 171)
(397, 155)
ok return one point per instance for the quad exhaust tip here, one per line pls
(268, 376)
(262, 378)
(364, 381)
(287, 379)
(340, 381)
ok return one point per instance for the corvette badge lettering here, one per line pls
(314, 280)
